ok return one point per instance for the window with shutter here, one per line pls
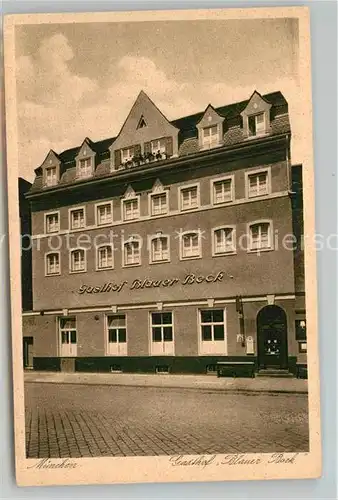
(117, 158)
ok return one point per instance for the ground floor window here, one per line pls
(162, 338)
(212, 331)
(117, 335)
(68, 337)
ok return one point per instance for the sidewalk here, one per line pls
(197, 382)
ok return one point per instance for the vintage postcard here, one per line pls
(162, 252)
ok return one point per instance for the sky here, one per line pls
(80, 80)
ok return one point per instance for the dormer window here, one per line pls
(158, 147)
(127, 154)
(210, 136)
(256, 124)
(85, 167)
(50, 176)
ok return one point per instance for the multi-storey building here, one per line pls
(168, 247)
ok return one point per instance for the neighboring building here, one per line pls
(26, 263)
(188, 266)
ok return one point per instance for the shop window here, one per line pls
(52, 263)
(105, 257)
(104, 214)
(162, 333)
(159, 249)
(117, 334)
(68, 337)
(78, 260)
(52, 223)
(224, 240)
(260, 237)
(132, 253)
(212, 331)
(191, 245)
(77, 218)
(222, 191)
(189, 198)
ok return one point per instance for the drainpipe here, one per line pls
(239, 309)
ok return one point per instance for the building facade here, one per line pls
(169, 247)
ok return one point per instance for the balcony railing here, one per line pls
(140, 160)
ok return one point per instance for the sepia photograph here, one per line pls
(161, 166)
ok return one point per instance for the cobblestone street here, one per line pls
(84, 421)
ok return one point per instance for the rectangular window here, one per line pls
(212, 325)
(160, 249)
(127, 154)
(52, 263)
(260, 236)
(105, 257)
(131, 209)
(85, 167)
(52, 223)
(190, 246)
(300, 330)
(222, 191)
(77, 219)
(210, 136)
(256, 124)
(68, 337)
(159, 204)
(189, 198)
(132, 256)
(158, 147)
(104, 214)
(224, 240)
(51, 179)
(258, 184)
(117, 331)
(162, 327)
(77, 260)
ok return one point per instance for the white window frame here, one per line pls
(104, 245)
(264, 128)
(122, 352)
(47, 214)
(71, 251)
(129, 157)
(126, 200)
(55, 252)
(257, 171)
(75, 209)
(154, 150)
(163, 343)
(209, 144)
(185, 233)
(212, 343)
(265, 249)
(185, 188)
(86, 173)
(97, 207)
(230, 178)
(124, 243)
(60, 330)
(55, 180)
(150, 242)
(152, 196)
(213, 240)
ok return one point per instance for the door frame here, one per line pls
(283, 364)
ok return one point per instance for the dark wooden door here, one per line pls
(272, 338)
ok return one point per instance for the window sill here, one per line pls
(191, 258)
(131, 265)
(224, 254)
(104, 268)
(159, 262)
(259, 250)
(52, 232)
(51, 275)
(78, 272)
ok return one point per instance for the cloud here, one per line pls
(58, 108)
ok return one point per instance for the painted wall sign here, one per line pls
(139, 284)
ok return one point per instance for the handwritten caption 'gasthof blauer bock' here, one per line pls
(139, 284)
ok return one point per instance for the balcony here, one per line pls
(139, 160)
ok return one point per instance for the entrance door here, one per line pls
(28, 352)
(272, 338)
(68, 337)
